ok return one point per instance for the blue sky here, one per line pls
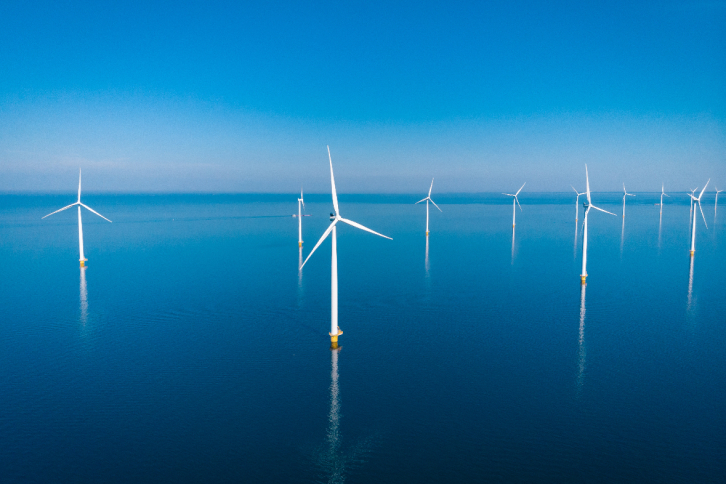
(231, 97)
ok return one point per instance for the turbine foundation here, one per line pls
(83, 262)
(692, 252)
(427, 233)
(582, 279)
(299, 244)
(334, 339)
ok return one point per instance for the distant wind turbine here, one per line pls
(334, 329)
(427, 200)
(80, 225)
(715, 207)
(690, 214)
(663, 194)
(300, 202)
(577, 203)
(625, 194)
(588, 206)
(516, 200)
(693, 233)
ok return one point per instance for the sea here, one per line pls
(192, 348)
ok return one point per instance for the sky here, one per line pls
(224, 97)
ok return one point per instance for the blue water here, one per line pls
(192, 349)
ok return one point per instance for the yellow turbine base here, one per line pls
(427, 234)
(299, 244)
(582, 279)
(692, 252)
(334, 339)
(83, 263)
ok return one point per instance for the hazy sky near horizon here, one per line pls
(230, 97)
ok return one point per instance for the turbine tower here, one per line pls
(690, 214)
(80, 224)
(715, 207)
(663, 194)
(577, 203)
(516, 200)
(334, 329)
(427, 200)
(625, 194)
(693, 233)
(588, 205)
(300, 202)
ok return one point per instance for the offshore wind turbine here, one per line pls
(427, 200)
(334, 329)
(300, 202)
(588, 205)
(625, 194)
(715, 207)
(577, 203)
(663, 194)
(690, 214)
(693, 233)
(516, 200)
(80, 224)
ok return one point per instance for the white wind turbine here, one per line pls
(80, 225)
(693, 233)
(427, 200)
(577, 203)
(588, 206)
(515, 201)
(334, 329)
(300, 202)
(662, 194)
(715, 207)
(625, 194)
(690, 214)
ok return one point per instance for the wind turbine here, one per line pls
(516, 200)
(427, 200)
(690, 214)
(80, 225)
(334, 329)
(663, 194)
(715, 207)
(693, 234)
(588, 205)
(577, 203)
(300, 202)
(625, 194)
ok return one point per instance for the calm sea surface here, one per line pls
(191, 349)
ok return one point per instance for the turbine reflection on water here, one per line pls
(84, 297)
(690, 286)
(512, 245)
(581, 342)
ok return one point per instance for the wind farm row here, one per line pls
(336, 218)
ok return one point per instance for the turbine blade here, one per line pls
(630, 194)
(666, 195)
(422, 200)
(702, 215)
(596, 208)
(574, 189)
(704, 188)
(325, 235)
(436, 205)
(517, 199)
(69, 206)
(332, 184)
(79, 185)
(508, 194)
(432, 185)
(587, 184)
(92, 210)
(520, 188)
(359, 226)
